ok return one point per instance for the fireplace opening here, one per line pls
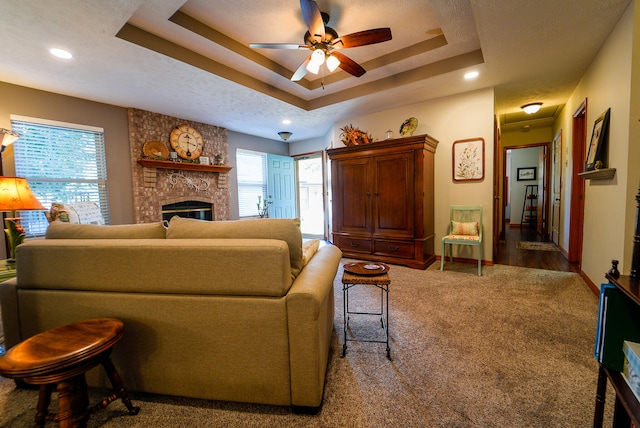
(188, 209)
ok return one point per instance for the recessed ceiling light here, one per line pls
(471, 75)
(286, 122)
(61, 53)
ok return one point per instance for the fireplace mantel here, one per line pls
(148, 163)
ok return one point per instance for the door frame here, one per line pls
(322, 155)
(546, 147)
(576, 213)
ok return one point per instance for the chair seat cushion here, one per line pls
(462, 238)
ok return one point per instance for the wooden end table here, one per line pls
(59, 358)
(367, 273)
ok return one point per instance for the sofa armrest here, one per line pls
(9, 310)
(310, 313)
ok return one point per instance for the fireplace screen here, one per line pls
(188, 209)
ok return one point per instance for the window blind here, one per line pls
(64, 163)
(252, 180)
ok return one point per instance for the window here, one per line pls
(252, 181)
(63, 163)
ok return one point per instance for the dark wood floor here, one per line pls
(509, 254)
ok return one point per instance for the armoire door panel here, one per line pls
(393, 203)
(354, 202)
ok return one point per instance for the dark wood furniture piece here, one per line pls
(366, 274)
(627, 407)
(383, 200)
(59, 358)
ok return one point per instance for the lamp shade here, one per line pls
(7, 137)
(16, 195)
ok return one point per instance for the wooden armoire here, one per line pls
(383, 200)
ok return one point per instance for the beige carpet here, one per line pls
(537, 246)
(512, 348)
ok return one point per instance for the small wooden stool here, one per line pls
(59, 358)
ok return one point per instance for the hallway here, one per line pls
(510, 254)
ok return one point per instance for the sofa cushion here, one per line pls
(61, 230)
(285, 229)
(309, 248)
(77, 213)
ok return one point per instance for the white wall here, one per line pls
(606, 84)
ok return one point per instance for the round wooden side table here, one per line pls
(59, 358)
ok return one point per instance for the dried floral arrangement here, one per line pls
(351, 136)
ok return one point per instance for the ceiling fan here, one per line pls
(324, 43)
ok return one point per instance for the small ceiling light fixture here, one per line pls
(471, 75)
(531, 108)
(61, 53)
(285, 135)
(286, 121)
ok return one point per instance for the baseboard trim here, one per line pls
(467, 260)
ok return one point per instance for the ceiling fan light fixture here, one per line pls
(332, 63)
(317, 57)
(313, 67)
(531, 108)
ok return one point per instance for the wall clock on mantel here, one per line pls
(187, 142)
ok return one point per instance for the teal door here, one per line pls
(281, 185)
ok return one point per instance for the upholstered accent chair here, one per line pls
(465, 228)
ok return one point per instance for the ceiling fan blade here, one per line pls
(362, 38)
(313, 18)
(301, 71)
(277, 46)
(349, 65)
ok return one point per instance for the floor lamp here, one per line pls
(7, 137)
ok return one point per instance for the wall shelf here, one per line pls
(598, 174)
(185, 166)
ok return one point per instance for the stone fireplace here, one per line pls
(154, 188)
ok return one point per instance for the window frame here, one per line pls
(88, 183)
(248, 199)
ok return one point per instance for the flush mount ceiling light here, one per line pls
(285, 135)
(61, 53)
(531, 108)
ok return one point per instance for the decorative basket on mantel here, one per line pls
(352, 136)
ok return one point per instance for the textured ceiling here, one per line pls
(192, 60)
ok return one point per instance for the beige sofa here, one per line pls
(216, 310)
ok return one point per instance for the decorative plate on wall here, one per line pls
(155, 149)
(408, 127)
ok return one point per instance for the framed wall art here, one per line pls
(525, 174)
(468, 159)
(597, 154)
